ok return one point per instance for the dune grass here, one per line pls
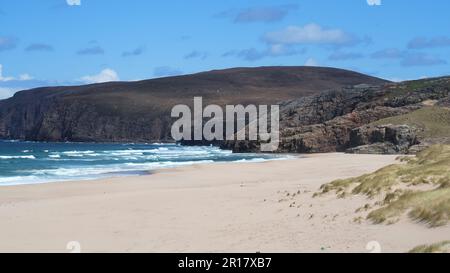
(398, 184)
(430, 207)
(441, 247)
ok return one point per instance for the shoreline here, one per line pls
(229, 207)
(39, 163)
(138, 173)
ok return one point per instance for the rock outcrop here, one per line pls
(140, 111)
(312, 120)
(382, 139)
(327, 121)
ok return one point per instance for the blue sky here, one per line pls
(62, 42)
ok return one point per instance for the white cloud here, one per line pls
(374, 2)
(73, 2)
(10, 85)
(106, 75)
(308, 34)
(7, 92)
(2, 78)
(311, 62)
(25, 77)
(22, 77)
(396, 79)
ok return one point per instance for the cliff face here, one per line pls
(69, 119)
(140, 111)
(354, 115)
(327, 121)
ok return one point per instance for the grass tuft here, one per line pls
(398, 183)
(442, 247)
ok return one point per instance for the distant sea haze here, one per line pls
(37, 162)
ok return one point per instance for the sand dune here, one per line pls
(248, 207)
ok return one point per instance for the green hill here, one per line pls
(432, 122)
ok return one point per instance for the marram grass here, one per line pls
(441, 247)
(399, 184)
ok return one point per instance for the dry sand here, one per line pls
(234, 207)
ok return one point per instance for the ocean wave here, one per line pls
(78, 153)
(252, 160)
(79, 172)
(73, 172)
(15, 180)
(73, 162)
(17, 157)
(125, 152)
(164, 164)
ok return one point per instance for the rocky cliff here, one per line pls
(140, 111)
(322, 109)
(343, 119)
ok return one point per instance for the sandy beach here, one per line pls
(234, 207)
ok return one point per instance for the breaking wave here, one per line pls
(35, 162)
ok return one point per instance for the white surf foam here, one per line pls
(17, 157)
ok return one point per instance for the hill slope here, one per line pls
(390, 118)
(140, 111)
(432, 122)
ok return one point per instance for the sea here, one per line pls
(38, 162)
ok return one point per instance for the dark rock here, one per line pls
(312, 120)
(140, 111)
(424, 144)
(387, 139)
(376, 148)
(326, 122)
(444, 102)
